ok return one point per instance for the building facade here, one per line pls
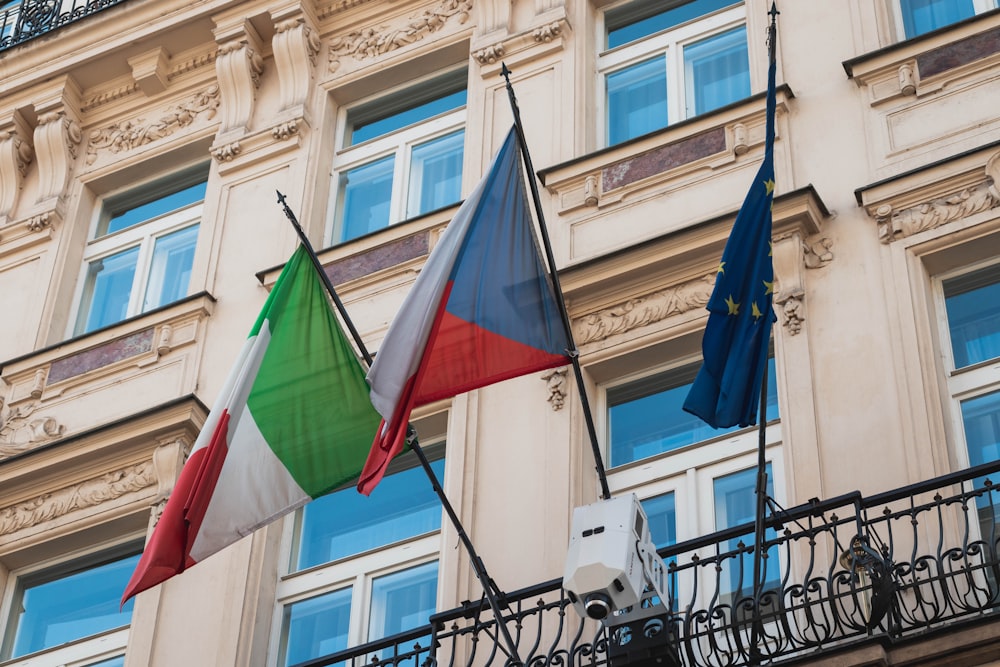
(142, 143)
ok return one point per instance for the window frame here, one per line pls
(357, 571)
(896, 10)
(142, 236)
(669, 43)
(82, 651)
(397, 143)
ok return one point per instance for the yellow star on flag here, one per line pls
(769, 185)
(734, 308)
(755, 311)
(721, 267)
(768, 286)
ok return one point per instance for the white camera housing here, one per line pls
(612, 564)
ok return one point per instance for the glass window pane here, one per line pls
(972, 302)
(346, 523)
(365, 193)
(637, 100)
(364, 129)
(55, 609)
(170, 270)
(662, 518)
(717, 71)
(147, 211)
(637, 20)
(117, 661)
(920, 16)
(402, 601)
(315, 627)
(736, 503)
(107, 290)
(981, 419)
(435, 174)
(646, 417)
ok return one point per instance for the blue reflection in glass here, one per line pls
(920, 16)
(662, 518)
(346, 523)
(366, 193)
(410, 116)
(170, 270)
(108, 289)
(435, 174)
(972, 302)
(622, 28)
(73, 606)
(173, 202)
(981, 420)
(717, 71)
(637, 100)
(315, 627)
(735, 504)
(646, 417)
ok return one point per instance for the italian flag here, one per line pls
(293, 421)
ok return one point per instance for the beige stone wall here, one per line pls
(886, 162)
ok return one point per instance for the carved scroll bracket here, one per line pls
(295, 44)
(56, 139)
(21, 431)
(239, 66)
(16, 154)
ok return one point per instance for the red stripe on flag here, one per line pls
(167, 552)
(466, 356)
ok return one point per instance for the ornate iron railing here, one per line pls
(28, 19)
(894, 565)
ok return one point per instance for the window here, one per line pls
(646, 418)
(8, 18)
(972, 309)
(402, 156)
(362, 568)
(142, 251)
(669, 61)
(920, 16)
(61, 606)
(735, 500)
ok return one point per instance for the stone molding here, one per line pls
(131, 134)
(20, 431)
(555, 382)
(643, 310)
(94, 491)
(894, 224)
(372, 42)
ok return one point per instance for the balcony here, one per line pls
(21, 21)
(910, 572)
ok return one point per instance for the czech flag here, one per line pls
(482, 310)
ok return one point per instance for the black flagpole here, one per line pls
(759, 572)
(573, 352)
(493, 594)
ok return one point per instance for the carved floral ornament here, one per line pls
(131, 134)
(896, 223)
(371, 42)
(48, 506)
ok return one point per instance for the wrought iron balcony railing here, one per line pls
(21, 21)
(841, 571)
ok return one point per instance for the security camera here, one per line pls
(612, 565)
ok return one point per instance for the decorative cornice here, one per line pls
(547, 33)
(643, 310)
(895, 224)
(48, 506)
(489, 54)
(285, 130)
(371, 42)
(20, 433)
(131, 134)
(227, 152)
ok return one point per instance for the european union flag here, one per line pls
(735, 345)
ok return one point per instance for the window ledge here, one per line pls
(684, 167)
(931, 96)
(104, 375)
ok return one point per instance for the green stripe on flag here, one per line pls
(310, 399)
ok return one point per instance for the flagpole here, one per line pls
(759, 572)
(573, 353)
(493, 594)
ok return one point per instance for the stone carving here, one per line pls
(741, 142)
(490, 54)
(817, 255)
(19, 432)
(547, 32)
(110, 96)
(371, 42)
(907, 82)
(92, 492)
(285, 130)
(131, 134)
(15, 156)
(590, 197)
(37, 223)
(644, 310)
(227, 152)
(22, 151)
(71, 132)
(312, 41)
(555, 380)
(893, 224)
(790, 306)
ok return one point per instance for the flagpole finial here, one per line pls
(505, 72)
